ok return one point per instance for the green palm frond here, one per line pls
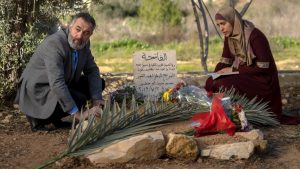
(256, 111)
(120, 123)
(136, 121)
(117, 124)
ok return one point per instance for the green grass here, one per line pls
(189, 67)
(286, 42)
(116, 56)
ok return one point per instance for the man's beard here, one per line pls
(75, 45)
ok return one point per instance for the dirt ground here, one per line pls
(20, 148)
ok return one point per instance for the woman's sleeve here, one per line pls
(264, 59)
(226, 59)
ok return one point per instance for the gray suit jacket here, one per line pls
(46, 78)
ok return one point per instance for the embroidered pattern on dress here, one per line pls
(228, 61)
(263, 64)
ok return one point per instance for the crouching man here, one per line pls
(61, 76)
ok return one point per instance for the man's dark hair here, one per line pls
(86, 16)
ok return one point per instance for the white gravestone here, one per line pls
(154, 72)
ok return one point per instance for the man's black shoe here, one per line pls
(36, 124)
(62, 124)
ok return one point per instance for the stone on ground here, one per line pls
(241, 150)
(148, 146)
(182, 147)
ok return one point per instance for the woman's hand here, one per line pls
(225, 70)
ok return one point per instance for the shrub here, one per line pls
(125, 43)
(286, 42)
(118, 8)
(160, 12)
(23, 25)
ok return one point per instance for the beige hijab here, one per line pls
(238, 41)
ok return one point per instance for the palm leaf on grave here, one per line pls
(257, 112)
(139, 119)
(119, 123)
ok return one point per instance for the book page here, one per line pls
(216, 75)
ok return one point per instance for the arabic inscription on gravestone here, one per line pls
(154, 72)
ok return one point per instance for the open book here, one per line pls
(216, 75)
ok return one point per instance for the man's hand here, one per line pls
(225, 70)
(84, 115)
(96, 110)
(99, 103)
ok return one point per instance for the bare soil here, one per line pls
(21, 148)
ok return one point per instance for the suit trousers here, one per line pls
(79, 92)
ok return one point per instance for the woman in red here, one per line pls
(246, 50)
